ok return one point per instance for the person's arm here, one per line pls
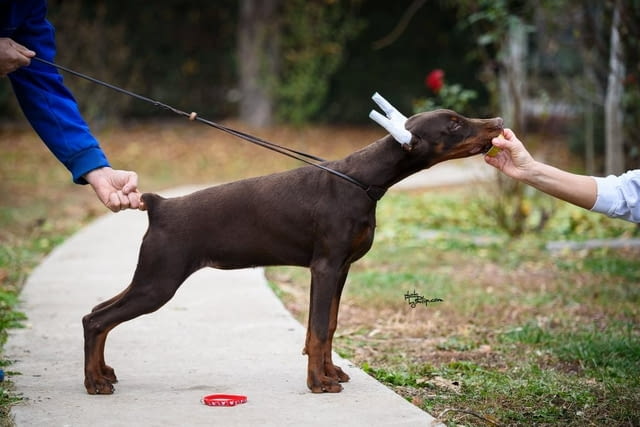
(54, 113)
(516, 162)
(48, 104)
(580, 190)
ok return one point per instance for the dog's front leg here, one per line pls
(334, 371)
(326, 284)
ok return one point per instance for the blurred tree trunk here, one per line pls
(258, 53)
(513, 86)
(614, 135)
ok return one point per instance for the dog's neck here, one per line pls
(381, 164)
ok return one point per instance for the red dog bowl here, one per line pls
(224, 400)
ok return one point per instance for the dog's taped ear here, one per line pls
(394, 122)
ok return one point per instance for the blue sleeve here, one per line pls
(48, 104)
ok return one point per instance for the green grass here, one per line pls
(606, 263)
(610, 353)
(372, 287)
(12, 273)
(18, 257)
(557, 378)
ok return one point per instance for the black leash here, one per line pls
(373, 192)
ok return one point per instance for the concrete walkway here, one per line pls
(224, 332)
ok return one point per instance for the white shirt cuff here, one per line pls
(607, 194)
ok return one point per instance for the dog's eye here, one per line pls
(454, 125)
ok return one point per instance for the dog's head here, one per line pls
(441, 134)
(448, 135)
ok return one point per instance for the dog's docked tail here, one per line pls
(151, 202)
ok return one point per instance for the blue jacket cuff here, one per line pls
(84, 162)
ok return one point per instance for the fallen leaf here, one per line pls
(446, 384)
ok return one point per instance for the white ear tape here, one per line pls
(393, 122)
(396, 129)
(388, 109)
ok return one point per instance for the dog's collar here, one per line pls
(375, 193)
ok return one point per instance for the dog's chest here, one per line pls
(362, 239)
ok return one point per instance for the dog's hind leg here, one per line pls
(99, 377)
(322, 374)
(154, 283)
(105, 370)
(110, 300)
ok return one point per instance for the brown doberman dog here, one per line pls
(303, 217)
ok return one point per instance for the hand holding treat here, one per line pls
(493, 151)
(510, 156)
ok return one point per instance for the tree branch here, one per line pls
(401, 26)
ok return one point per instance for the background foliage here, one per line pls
(335, 53)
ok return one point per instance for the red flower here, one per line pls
(435, 80)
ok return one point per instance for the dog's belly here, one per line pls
(228, 257)
(234, 243)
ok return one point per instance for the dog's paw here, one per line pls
(109, 374)
(336, 373)
(324, 385)
(101, 386)
(340, 375)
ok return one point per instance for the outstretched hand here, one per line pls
(13, 56)
(513, 160)
(116, 189)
